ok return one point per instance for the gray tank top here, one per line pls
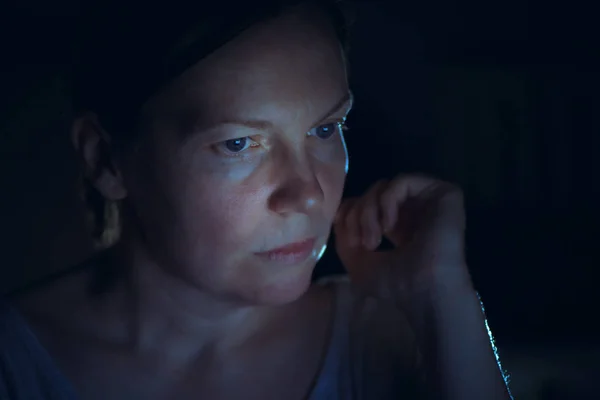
(27, 371)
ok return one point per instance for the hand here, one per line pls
(424, 220)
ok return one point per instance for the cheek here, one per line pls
(332, 178)
(194, 213)
(334, 190)
(222, 217)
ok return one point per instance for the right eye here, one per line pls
(232, 147)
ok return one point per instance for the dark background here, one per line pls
(500, 97)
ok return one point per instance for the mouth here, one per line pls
(293, 253)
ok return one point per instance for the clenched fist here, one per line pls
(423, 218)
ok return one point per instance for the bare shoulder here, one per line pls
(53, 299)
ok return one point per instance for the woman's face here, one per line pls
(244, 154)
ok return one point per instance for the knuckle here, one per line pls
(366, 215)
(387, 195)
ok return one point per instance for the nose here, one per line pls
(299, 191)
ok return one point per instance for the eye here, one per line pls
(326, 131)
(236, 146)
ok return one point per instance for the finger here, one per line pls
(343, 232)
(342, 210)
(352, 225)
(369, 216)
(397, 192)
(449, 206)
(402, 229)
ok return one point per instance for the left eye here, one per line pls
(326, 131)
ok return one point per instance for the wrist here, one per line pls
(440, 296)
(450, 286)
(451, 282)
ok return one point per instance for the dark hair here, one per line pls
(125, 53)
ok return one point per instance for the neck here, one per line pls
(158, 311)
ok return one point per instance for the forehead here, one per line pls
(292, 61)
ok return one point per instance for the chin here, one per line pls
(283, 289)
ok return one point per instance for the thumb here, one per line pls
(368, 270)
(348, 246)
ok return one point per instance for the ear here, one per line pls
(93, 147)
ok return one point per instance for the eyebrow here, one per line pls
(344, 104)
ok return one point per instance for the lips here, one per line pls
(293, 253)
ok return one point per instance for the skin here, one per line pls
(283, 189)
(194, 308)
(192, 298)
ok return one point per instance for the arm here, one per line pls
(458, 355)
(425, 275)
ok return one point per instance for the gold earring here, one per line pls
(111, 229)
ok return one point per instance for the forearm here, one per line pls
(458, 353)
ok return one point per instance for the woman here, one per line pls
(223, 186)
